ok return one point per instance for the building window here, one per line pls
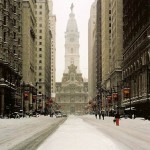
(40, 31)
(40, 12)
(5, 20)
(40, 49)
(14, 22)
(40, 43)
(40, 37)
(40, 7)
(5, 4)
(19, 16)
(40, 19)
(14, 35)
(40, 67)
(19, 4)
(40, 55)
(71, 50)
(19, 41)
(19, 29)
(40, 61)
(14, 9)
(40, 25)
(4, 37)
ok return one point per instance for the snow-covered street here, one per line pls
(88, 133)
(17, 133)
(76, 133)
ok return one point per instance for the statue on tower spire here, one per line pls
(72, 6)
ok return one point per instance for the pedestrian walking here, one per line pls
(99, 114)
(95, 114)
(133, 116)
(103, 115)
(117, 117)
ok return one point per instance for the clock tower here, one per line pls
(72, 92)
(72, 43)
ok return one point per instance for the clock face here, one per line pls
(71, 39)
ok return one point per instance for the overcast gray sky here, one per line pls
(61, 8)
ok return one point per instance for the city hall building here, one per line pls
(72, 92)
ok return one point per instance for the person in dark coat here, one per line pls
(117, 117)
(95, 114)
(103, 115)
(99, 114)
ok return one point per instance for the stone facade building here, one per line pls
(92, 52)
(136, 55)
(105, 47)
(109, 52)
(52, 26)
(98, 54)
(10, 55)
(43, 53)
(28, 54)
(72, 92)
(115, 54)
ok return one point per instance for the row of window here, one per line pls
(14, 7)
(14, 37)
(40, 13)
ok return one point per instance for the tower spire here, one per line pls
(72, 6)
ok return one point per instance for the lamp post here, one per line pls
(22, 101)
(99, 100)
(148, 81)
(2, 96)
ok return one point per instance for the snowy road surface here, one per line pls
(88, 133)
(17, 134)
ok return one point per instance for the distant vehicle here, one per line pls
(14, 115)
(21, 113)
(35, 114)
(58, 115)
(64, 115)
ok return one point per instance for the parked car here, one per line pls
(64, 115)
(14, 115)
(21, 113)
(35, 114)
(58, 115)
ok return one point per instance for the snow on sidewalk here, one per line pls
(75, 134)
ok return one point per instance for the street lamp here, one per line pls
(148, 80)
(22, 102)
(2, 96)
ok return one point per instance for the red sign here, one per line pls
(126, 92)
(26, 94)
(50, 101)
(109, 99)
(90, 102)
(115, 96)
(34, 98)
